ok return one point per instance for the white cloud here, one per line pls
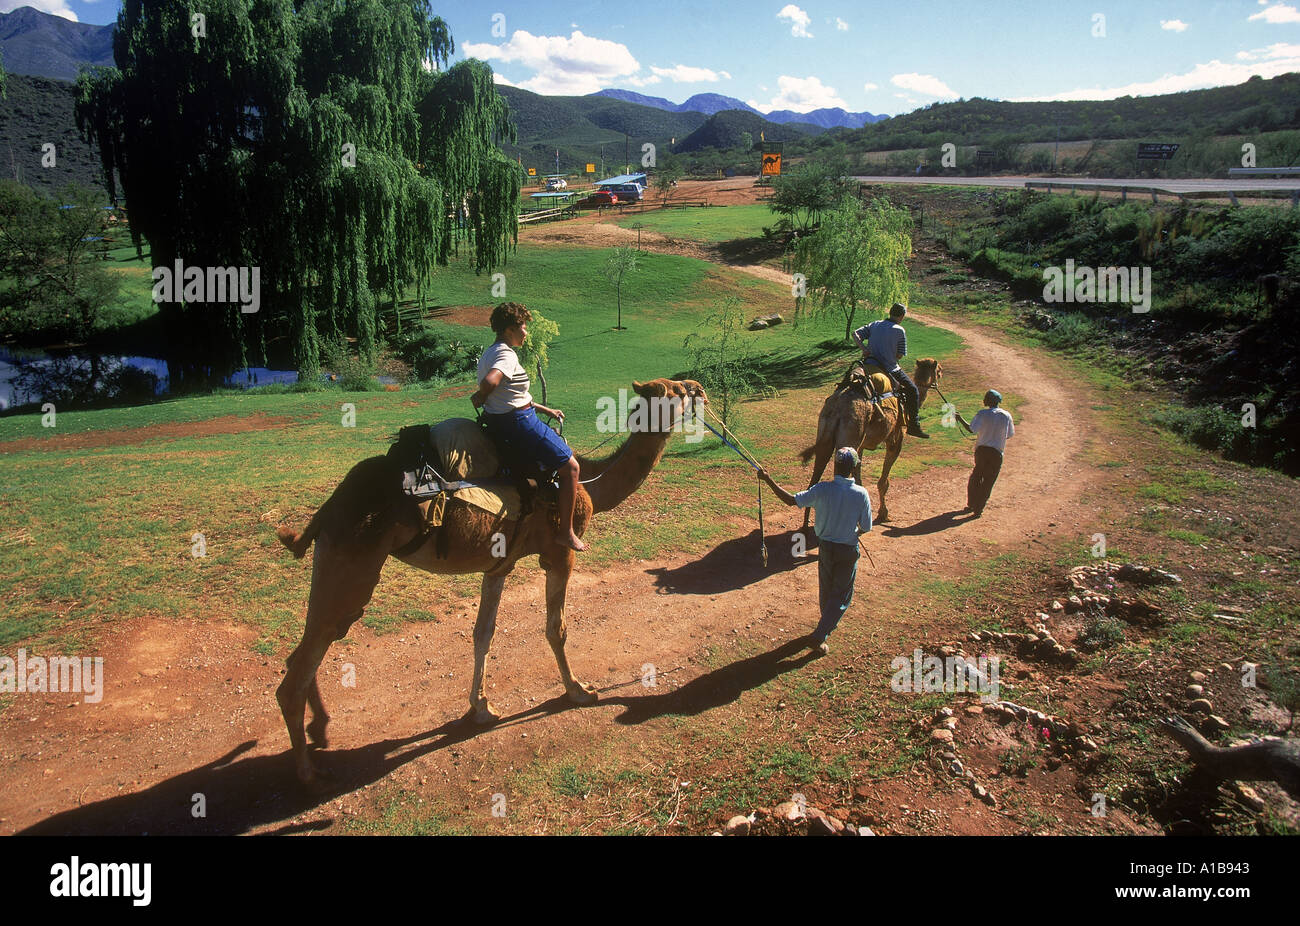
(642, 81)
(841, 25)
(575, 65)
(926, 85)
(497, 78)
(57, 7)
(798, 21)
(1277, 13)
(870, 87)
(1266, 62)
(1173, 25)
(801, 95)
(685, 74)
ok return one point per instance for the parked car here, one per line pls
(597, 199)
(556, 183)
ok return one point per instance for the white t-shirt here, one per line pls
(513, 391)
(993, 426)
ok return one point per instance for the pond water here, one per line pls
(9, 369)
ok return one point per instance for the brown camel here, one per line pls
(368, 519)
(850, 419)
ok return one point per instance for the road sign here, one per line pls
(771, 164)
(591, 168)
(1160, 151)
(532, 171)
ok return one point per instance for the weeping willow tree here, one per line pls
(858, 254)
(314, 140)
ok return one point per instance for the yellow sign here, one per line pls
(591, 168)
(532, 171)
(771, 165)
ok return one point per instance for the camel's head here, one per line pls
(670, 388)
(927, 374)
(665, 401)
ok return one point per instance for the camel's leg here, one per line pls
(341, 586)
(320, 718)
(820, 461)
(558, 566)
(892, 448)
(484, 628)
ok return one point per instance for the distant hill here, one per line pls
(42, 45)
(38, 110)
(711, 103)
(727, 129)
(1258, 105)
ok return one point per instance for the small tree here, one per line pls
(665, 182)
(541, 331)
(804, 192)
(50, 254)
(859, 253)
(621, 262)
(723, 358)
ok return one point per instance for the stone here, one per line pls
(861, 793)
(943, 712)
(941, 735)
(1226, 666)
(949, 754)
(790, 812)
(974, 709)
(1087, 744)
(1074, 603)
(1197, 678)
(1201, 706)
(1249, 796)
(1194, 691)
(1057, 606)
(821, 824)
(737, 826)
(1042, 618)
(957, 768)
(865, 831)
(1217, 722)
(950, 723)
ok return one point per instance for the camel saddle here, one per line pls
(869, 380)
(456, 459)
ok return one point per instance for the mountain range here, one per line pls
(712, 103)
(42, 45)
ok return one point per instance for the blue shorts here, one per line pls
(529, 438)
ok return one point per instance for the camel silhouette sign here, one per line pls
(771, 165)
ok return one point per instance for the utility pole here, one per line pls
(627, 165)
(1057, 150)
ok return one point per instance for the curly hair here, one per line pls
(507, 314)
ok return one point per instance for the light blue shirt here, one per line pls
(843, 509)
(884, 341)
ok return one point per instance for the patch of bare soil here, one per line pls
(208, 427)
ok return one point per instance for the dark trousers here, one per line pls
(837, 568)
(988, 463)
(911, 395)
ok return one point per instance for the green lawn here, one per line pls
(714, 223)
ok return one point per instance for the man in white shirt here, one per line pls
(992, 426)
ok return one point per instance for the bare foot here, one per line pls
(572, 541)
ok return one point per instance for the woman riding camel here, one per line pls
(511, 413)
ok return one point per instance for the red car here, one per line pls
(597, 199)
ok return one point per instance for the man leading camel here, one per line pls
(843, 512)
(885, 342)
(992, 426)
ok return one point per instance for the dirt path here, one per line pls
(189, 709)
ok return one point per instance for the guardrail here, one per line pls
(1154, 192)
(1264, 171)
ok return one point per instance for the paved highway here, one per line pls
(1235, 185)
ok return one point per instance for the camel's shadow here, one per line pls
(931, 525)
(735, 563)
(241, 794)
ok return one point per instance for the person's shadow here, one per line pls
(931, 525)
(735, 564)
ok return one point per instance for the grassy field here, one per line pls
(716, 223)
(104, 533)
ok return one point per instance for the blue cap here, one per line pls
(847, 455)
(992, 397)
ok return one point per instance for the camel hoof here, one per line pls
(582, 694)
(882, 517)
(485, 714)
(316, 733)
(313, 779)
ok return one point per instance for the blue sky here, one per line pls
(882, 57)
